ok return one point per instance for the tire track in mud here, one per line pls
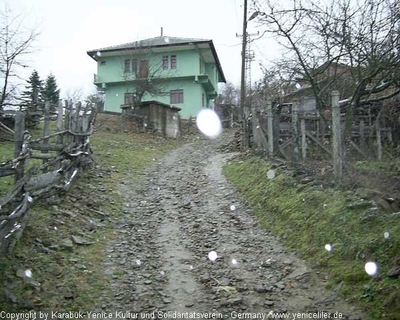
(159, 262)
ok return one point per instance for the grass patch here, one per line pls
(308, 216)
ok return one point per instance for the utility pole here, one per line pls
(245, 142)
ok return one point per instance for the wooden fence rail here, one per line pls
(62, 154)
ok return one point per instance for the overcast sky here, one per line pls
(69, 28)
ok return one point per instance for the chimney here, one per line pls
(162, 32)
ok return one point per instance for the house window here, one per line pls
(144, 68)
(173, 62)
(202, 100)
(129, 98)
(103, 63)
(200, 66)
(127, 66)
(135, 66)
(165, 62)
(176, 96)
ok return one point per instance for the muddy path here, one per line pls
(183, 210)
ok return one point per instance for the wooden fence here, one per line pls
(61, 154)
(292, 134)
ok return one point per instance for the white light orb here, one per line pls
(328, 247)
(386, 235)
(371, 268)
(212, 255)
(209, 123)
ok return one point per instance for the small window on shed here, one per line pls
(103, 63)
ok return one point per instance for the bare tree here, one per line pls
(352, 46)
(145, 75)
(229, 95)
(15, 43)
(277, 82)
(74, 95)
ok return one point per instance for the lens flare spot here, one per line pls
(209, 123)
(233, 207)
(138, 262)
(28, 273)
(371, 268)
(271, 174)
(212, 255)
(191, 267)
(98, 53)
(166, 39)
(234, 261)
(386, 235)
(328, 247)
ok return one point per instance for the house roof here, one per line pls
(150, 43)
(160, 42)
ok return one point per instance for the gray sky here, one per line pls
(70, 28)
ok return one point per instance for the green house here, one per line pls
(180, 72)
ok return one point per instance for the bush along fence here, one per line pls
(291, 134)
(60, 157)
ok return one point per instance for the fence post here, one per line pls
(67, 120)
(295, 130)
(19, 128)
(46, 127)
(60, 113)
(379, 138)
(303, 138)
(362, 135)
(276, 111)
(336, 137)
(270, 129)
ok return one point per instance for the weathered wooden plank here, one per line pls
(16, 190)
(318, 142)
(43, 156)
(19, 210)
(358, 149)
(19, 129)
(46, 147)
(43, 181)
(295, 130)
(303, 138)
(46, 128)
(8, 171)
(336, 137)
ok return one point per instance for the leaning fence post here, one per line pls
(270, 129)
(295, 130)
(19, 127)
(336, 137)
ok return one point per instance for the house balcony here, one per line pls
(207, 84)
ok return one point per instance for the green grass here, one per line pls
(309, 216)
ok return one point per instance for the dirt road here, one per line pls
(185, 209)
